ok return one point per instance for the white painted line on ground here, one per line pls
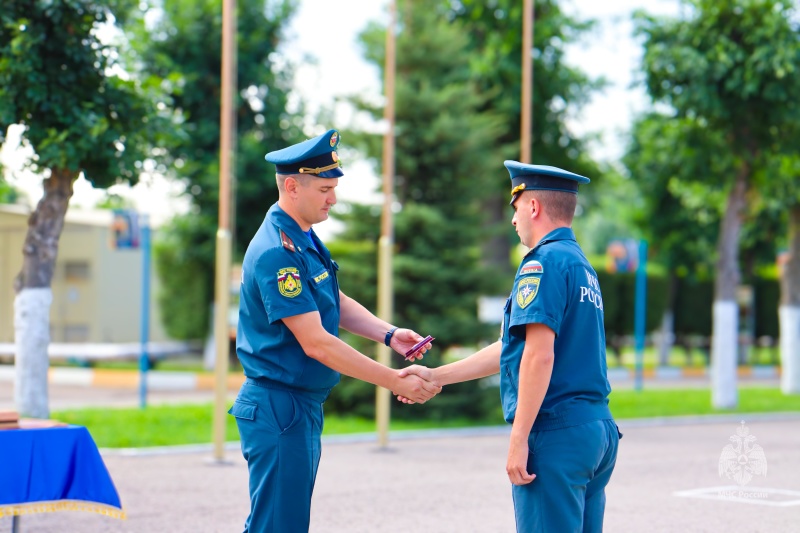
(164, 381)
(71, 376)
(737, 494)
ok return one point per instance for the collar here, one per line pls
(288, 225)
(558, 234)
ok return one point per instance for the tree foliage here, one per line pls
(444, 165)
(8, 194)
(495, 29)
(443, 168)
(81, 113)
(728, 71)
(179, 42)
(678, 215)
(57, 79)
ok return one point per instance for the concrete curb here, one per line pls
(128, 379)
(667, 373)
(202, 381)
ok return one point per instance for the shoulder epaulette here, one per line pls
(287, 242)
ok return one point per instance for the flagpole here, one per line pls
(526, 126)
(223, 256)
(386, 242)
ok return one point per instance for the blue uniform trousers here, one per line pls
(572, 467)
(280, 434)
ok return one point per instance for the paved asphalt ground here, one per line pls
(451, 481)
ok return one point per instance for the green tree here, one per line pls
(443, 167)
(8, 194)
(183, 47)
(495, 30)
(780, 189)
(731, 66)
(57, 80)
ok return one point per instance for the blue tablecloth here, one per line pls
(54, 469)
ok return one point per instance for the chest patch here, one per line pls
(322, 277)
(289, 282)
(527, 289)
(532, 267)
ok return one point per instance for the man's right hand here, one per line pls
(425, 375)
(416, 385)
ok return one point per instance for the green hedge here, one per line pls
(694, 301)
(767, 294)
(619, 302)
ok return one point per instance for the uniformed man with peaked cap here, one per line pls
(552, 364)
(290, 312)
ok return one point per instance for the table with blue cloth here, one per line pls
(54, 469)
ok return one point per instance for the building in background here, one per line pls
(97, 290)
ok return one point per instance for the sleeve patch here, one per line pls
(527, 289)
(289, 284)
(532, 267)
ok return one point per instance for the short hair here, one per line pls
(559, 205)
(303, 179)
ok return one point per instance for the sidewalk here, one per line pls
(666, 480)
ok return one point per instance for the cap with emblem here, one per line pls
(315, 156)
(526, 177)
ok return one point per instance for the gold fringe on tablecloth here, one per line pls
(19, 509)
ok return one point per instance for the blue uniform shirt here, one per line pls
(556, 286)
(283, 276)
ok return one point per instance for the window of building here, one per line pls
(76, 271)
(76, 333)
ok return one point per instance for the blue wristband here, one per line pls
(387, 340)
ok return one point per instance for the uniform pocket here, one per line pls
(284, 409)
(321, 278)
(506, 318)
(243, 409)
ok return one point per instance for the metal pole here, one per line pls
(144, 329)
(386, 242)
(527, 82)
(641, 313)
(223, 257)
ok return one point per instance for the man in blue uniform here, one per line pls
(290, 312)
(552, 364)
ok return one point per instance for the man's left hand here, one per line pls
(517, 465)
(405, 339)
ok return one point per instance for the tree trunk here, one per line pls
(724, 342)
(34, 295)
(789, 310)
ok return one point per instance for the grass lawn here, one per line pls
(191, 424)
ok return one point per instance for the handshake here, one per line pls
(414, 384)
(417, 384)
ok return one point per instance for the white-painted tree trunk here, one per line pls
(723, 354)
(790, 348)
(31, 338)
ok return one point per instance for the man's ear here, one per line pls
(291, 184)
(536, 207)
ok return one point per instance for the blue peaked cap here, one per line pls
(315, 156)
(525, 177)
